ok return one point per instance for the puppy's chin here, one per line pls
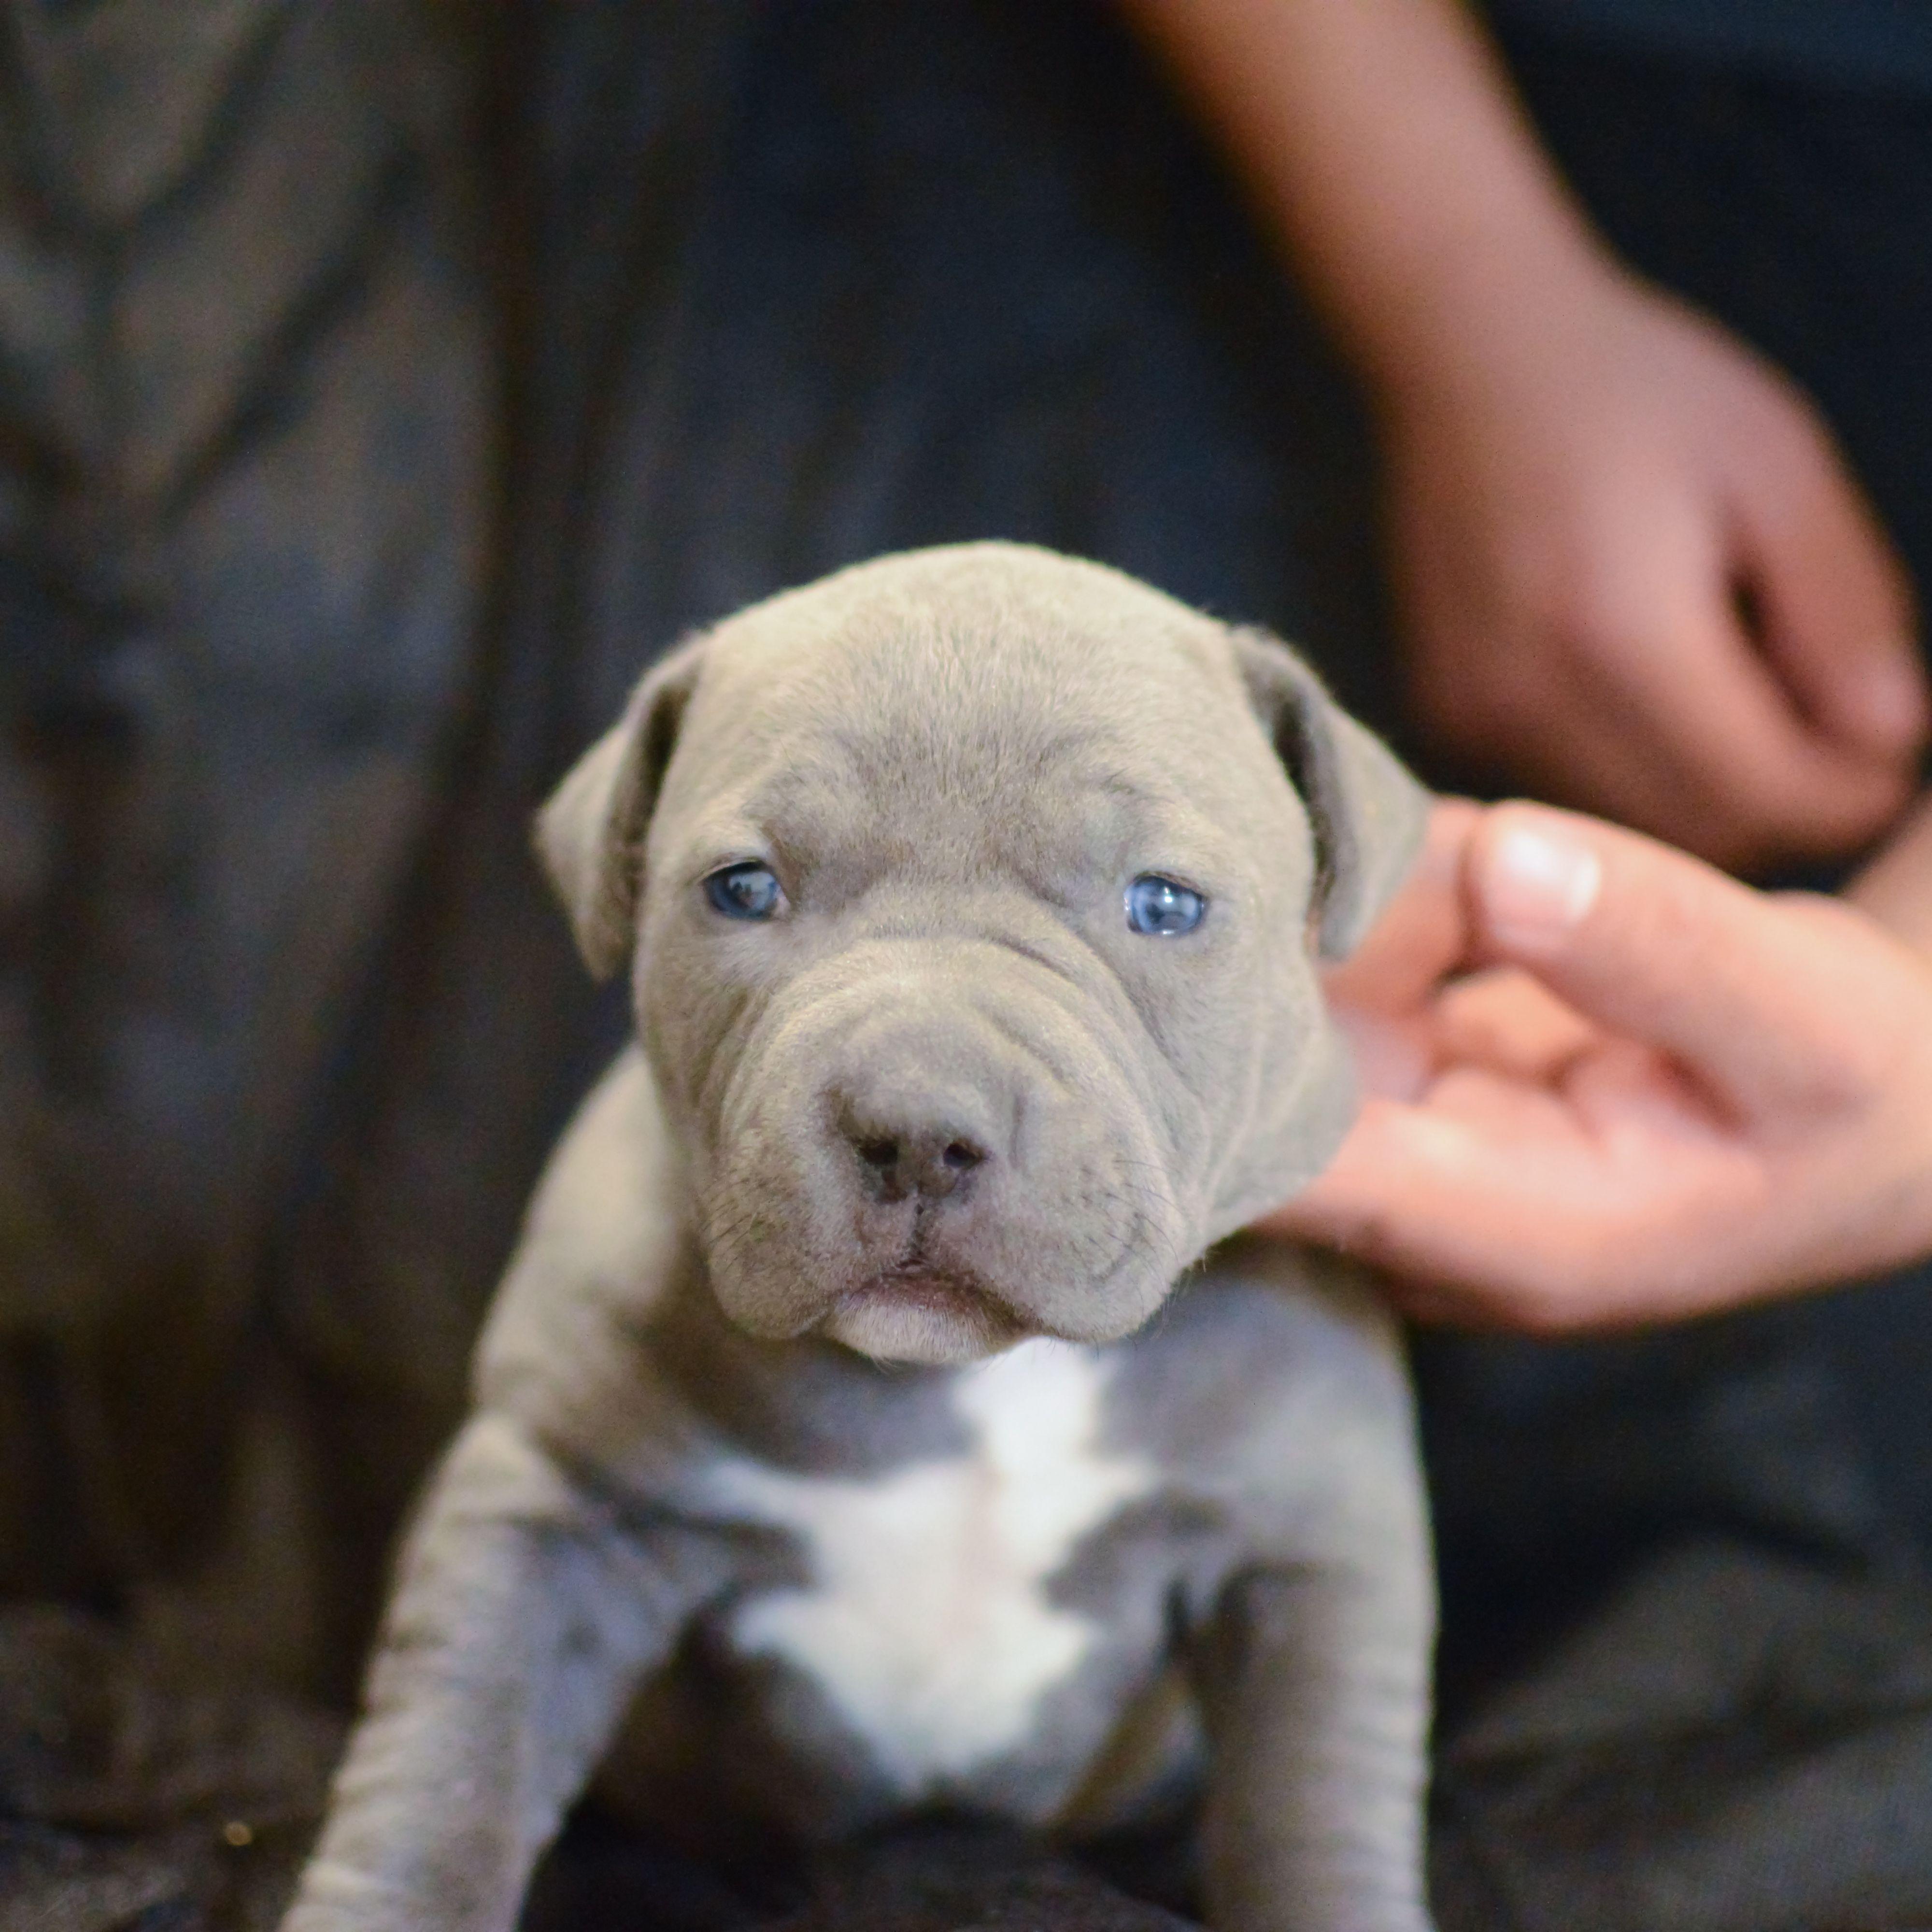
(922, 1319)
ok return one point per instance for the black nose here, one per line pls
(896, 1164)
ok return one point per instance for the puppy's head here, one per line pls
(975, 895)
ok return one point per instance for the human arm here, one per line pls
(1608, 1086)
(1633, 573)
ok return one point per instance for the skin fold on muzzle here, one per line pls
(933, 1147)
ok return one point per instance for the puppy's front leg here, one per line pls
(1316, 1683)
(525, 1611)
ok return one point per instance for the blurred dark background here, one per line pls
(382, 387)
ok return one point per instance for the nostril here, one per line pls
(880, 1153)
(899, 1148)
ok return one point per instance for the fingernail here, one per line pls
(1537, 888)
(1889, 701)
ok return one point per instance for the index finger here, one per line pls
(1748, 994)
(1425, 932)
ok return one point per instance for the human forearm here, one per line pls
(1383, 142)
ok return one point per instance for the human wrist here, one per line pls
(1496, 324)
(1476, 311)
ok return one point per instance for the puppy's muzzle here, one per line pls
(927, 1163)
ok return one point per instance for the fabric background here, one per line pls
(381, 389)
(1880, 45)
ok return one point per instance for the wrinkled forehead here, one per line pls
(979, 693)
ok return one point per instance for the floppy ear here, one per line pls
(590, 835)
(1368, 814)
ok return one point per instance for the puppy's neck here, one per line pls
(806, 1404)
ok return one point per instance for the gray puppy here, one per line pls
(974, 896)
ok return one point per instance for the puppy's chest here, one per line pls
(936, 1621)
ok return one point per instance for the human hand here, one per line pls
(1635, 578)
(1608, 1086)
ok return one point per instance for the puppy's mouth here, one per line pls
(916, 1313)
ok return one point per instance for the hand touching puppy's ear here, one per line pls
(1368, 814)
(590, 835)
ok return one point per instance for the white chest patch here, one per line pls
(926, 1624)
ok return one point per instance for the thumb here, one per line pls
(1736, 987)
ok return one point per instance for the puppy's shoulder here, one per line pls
(606, 1241)
(1275, 1378)
(610, 1210)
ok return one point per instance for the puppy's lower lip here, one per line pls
(936, 1293)
(940, 1293)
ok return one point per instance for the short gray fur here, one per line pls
(789, 1504)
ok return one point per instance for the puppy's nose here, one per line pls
(898, 1163)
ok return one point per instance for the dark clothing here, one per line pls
(1697, 1560)
(1803, 218)
(765, 286)
(1881, 44)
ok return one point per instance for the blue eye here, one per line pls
(747, 890)
(1160, 907)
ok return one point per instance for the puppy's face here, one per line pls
(973, 924)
